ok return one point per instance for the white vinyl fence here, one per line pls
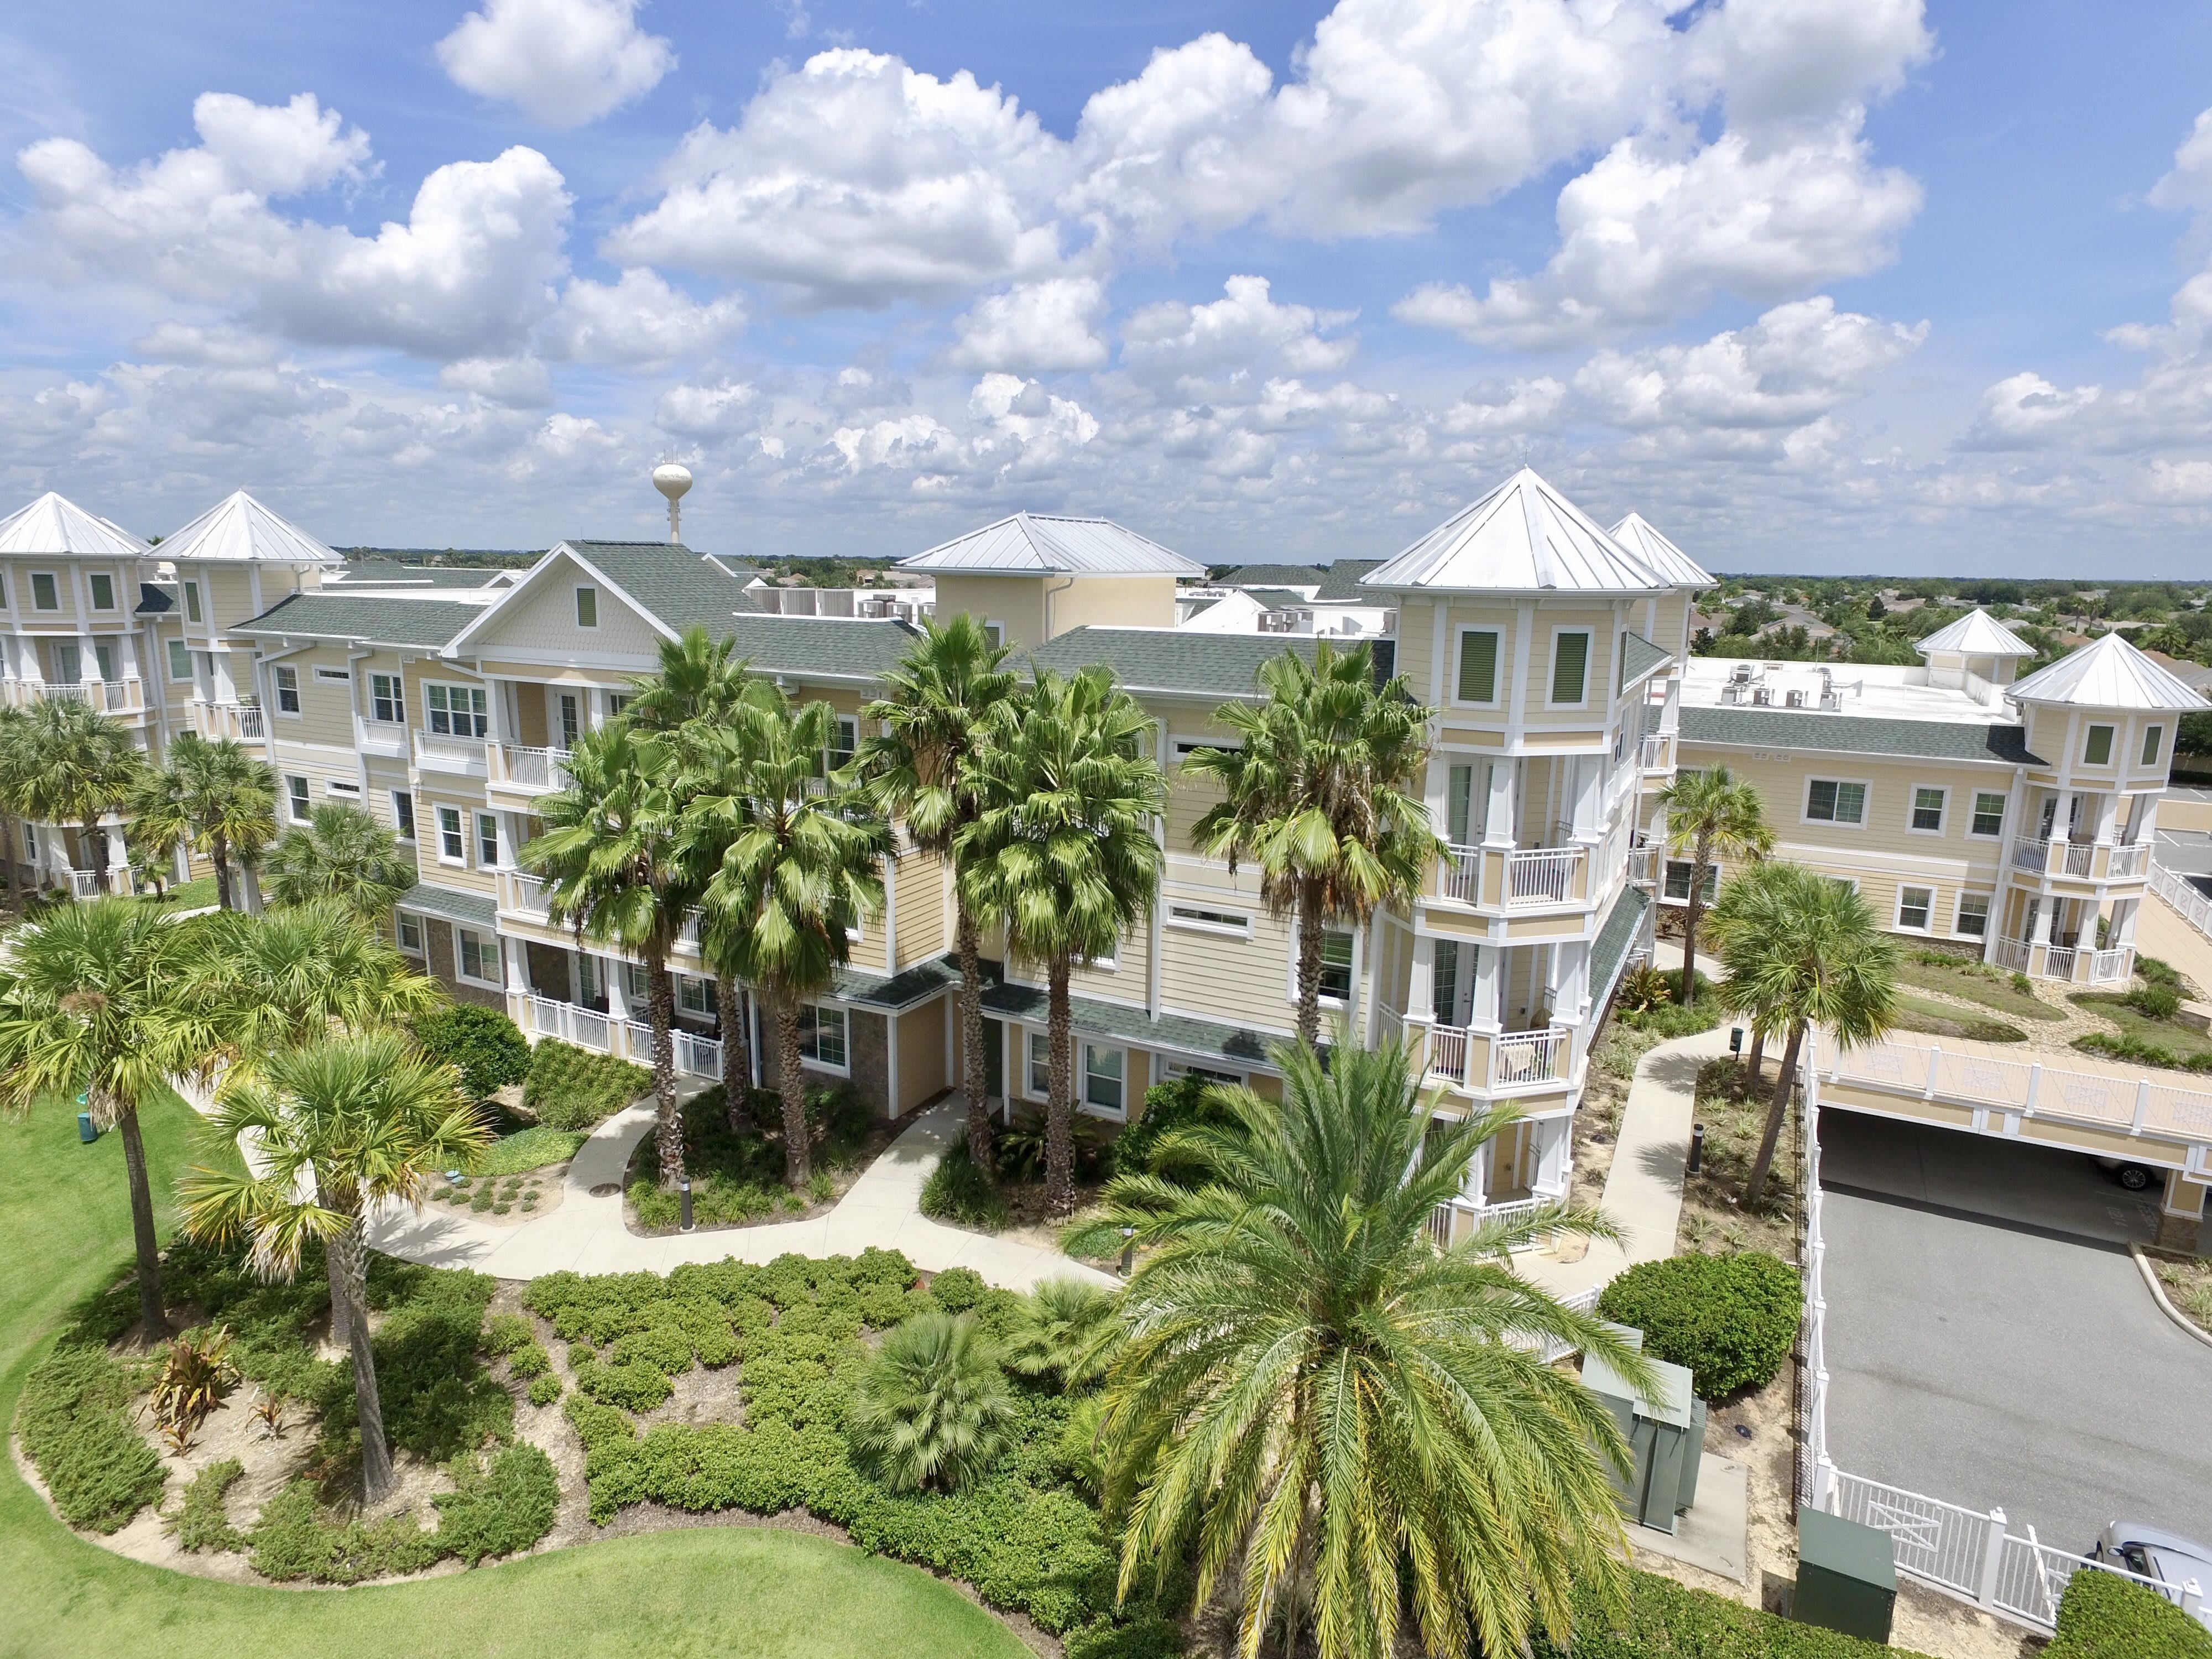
(2181, 893)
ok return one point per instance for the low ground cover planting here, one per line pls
(496, 1193)
(572, 1088)
(1666, 1620)
(737, 1177)
(2150, 1030)
(2007, 993)
(1933, 1018)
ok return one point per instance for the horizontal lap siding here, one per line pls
(1237, 982)
(923, 1064)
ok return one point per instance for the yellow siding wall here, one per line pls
(1110, 602)
(924, 1065)
(542, 621)
(1016, 602)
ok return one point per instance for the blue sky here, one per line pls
(1814, 284)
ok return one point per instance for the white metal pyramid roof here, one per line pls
(240, 529)
(2106, 673)
(1976, 633)
(1039, 545)
(1638, 534)
(54, 524)
(1523, 537)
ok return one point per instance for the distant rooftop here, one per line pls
(377, 573)
(1637, 534)
(1976, 633)
(56, 525)
(1524, 537)
(2107, 673)
(1038, 544)
(239, 529)
(1879, 691)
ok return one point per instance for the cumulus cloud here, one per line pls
(2187, 184)
(1778, 62)
(639, 320)
(855, 180)
(1033, 327)
(561, 62)
(1246, 329)
(518, 382)
(706, 412)
(1650, 232)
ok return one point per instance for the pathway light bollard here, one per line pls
(684, 1197)
(1735, 1039)
(1129, 1250)
(1696, 1150)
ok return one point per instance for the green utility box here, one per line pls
(1666, 1435)
(1847, 1576)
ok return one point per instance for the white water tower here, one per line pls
(671, 479)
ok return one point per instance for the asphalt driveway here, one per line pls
(1984, 1348)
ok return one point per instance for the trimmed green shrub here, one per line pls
(534, 1148)
(572, 1088)
(931, 1409)
(2103, 1616)
(2155, 1000)
(201, 1523)
(956, 1289)
(500, 1504)
(545, 1389)
(74, 1422)
(2135, 1051)
(1182, 1104)
(529, 1360)
(293, 1539)
(483, 1044)
(632, 1386)
(504, 1333)
(961, 1195)
(1731, 1318)
(1668, 1620)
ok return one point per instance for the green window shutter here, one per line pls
(2099, 751)
(1569, 667)
(1478, 667)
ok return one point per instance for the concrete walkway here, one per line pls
(1644, 1187)
(587, 1234)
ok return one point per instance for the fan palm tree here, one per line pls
(92, 1002)
(1318, 792)
(922, 770)
(1710, 815)
(932, 1407)
(78, 767)
(341, 853)
(613, 873)
(800, 864)
(296, 975)
(702, 678)
(1066, 1328)
(1062, 854)
(1727, 935)
(1312, 1390)
(1810, 953)
(355, 1121)
(214, 796)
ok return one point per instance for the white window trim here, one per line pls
(1290, 983)
(461, 822)
(276, 670)
(1590, 666)
(1896, 909)
(833, 1069)
(402, 830)
(592, 626)
(1175, 1070)
(55, 581)
(1912, 808)
(994, 631)
(1193, 924)
(1082, 1047)
(1990, 900)
(1866, 803)
(299, 793)
(173, 649)
(460, 973)
(478, 816)
(193, 613)
(338, 676)
(343, 787)
(398, 699)
(2112, 749)
(91, 599)
(401, 920)
(2003, 812)
(1030, 1036)
(472, 693)
(1497, 670)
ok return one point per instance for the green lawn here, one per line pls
(2184, 1041)
(189, 895)
(1967, 981)
(64, 1226)
(1926, 1015)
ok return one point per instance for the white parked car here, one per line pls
(2175, 1564)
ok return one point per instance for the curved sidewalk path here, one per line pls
(587, 1235)
(1644, 1187)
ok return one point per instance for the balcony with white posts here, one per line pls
(1495, 874)
(241, 722)
(451, 753)
(117, 696)
(525, 769)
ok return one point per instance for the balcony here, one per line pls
(242, 722)
(386, 738)
(451, 753)
(1461, 880)
(123, 696)
(1656, 753)
(1542, 875)
(522, 895)
(2068, 965)
(1503, 1062)
(696, 1054)
(2129, 861)
(527, 770)
(2078, 860)
(1450, 1224)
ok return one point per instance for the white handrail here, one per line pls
(2182, 895)
(1524, 1057)
(1544, 875)
(1461, 880)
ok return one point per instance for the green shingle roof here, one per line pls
(835, 648)
(385, 621)
(668, 579)
(383, 573)
(1278, 598)
(1610, 953)
(1172, 662)
(1235, 1047)
(1639, 659)
(904, 989)
(473, 910)
(1273, 575)
(1858, 734)
(1342, 581)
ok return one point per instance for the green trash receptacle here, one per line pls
(86, 1131)
(1847, 1576)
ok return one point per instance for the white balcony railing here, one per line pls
(2128, 861)
(526, 768)
(2079, 858)
(449, 749)
(2106, 967)
(571, 1022)
(2013, 955)
(1518, 1058)
(86, 884)
(241, 721)
(525, 895)
(1463, 875)
(1545, 876)
(2032, 856)
(2059, 961)
(696, 1054)
(1448, 1052)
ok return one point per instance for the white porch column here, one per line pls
(2124, 923)
(1571, 990)
(2044, 907)
(1503, 813)
(1420, 988)
(2108, 812)
(518, 966)
(1588, 776)
(1489, 968)
(1554, 1146)
(617, 980)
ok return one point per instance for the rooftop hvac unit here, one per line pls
(1794, 698)
(1763, 695)
(1740, 674)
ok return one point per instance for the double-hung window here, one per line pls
(288, 688)
(402, 814)
(180, 663)
(1989, 813)
(1040, 1065)
(1336, 966)
(1914, 906)
(1678, 880)
(1478, 666)
(1102, 1078)
(1830, 801)
(822, 1035)
(479, 956)
(296, 790)
(453, 845)
(1928, 810)
(409, 931)
(696, 996)
(848, 739)
(1973, 920)
(487, 841)
(387, 699)
(456, 711)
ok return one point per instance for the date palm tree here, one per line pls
(613, 873)
(1313, 1394)
(1810, 953)
(1711, 815)
(341, 1126)
(922, 770)
(214, 796)
(1318, 792)
(799, 866)
(702, 678)
(1062, 853)
(91, 1003)
(343, 854)
(78, 766)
